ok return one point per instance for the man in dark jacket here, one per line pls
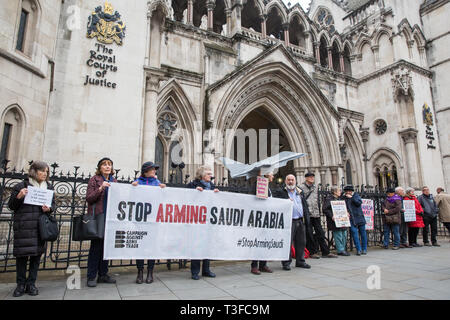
(353, 202)
(300, 214)
(430, 214)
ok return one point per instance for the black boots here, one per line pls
(22, 289)
(140, 276)
(149, 276)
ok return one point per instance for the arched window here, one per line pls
(348, 172)
(296, 33)
(11, 130)
(347, 61)
(323, 52)
(200, 15)
(250, 16)
(180, 10)
(27, 27)
(175, 159)
(325, 20)
(336, 57)
(379, 178)
(274, 24)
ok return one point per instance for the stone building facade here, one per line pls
(357, 85)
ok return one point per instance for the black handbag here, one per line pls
(48, 228)
(88, 227)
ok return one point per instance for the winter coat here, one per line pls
(430, 209)
(419, 214)
(328, 212)
(394, 216)
(306, 214)
(355, 209)
(199, 183)
(26, 223)
(94, 197)
(311, 194)
(151, 181)
(443, 202)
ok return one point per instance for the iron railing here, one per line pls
(70, 192)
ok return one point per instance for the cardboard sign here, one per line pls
(340, 215)
(262, 188)
(39, 197)
(369, 211)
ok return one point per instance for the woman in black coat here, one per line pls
(203, 181)
(27, 244)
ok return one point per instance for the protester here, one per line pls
(339, 234)
(430, 214)
(96, 197)
(310, 192)
(414, 227)
(252, 190)
(353, 202)
(27, 244)
(300, 213)
(203, 181)
(443, 202)
(403, 225)
(391, 208)
(147, 178)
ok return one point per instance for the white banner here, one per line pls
(145, 222)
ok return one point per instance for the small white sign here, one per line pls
(340, 214)
(39, 197)
(410, 210)
(262, 188)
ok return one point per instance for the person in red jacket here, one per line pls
(414, 227)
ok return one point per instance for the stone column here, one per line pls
(317, 49)
(364, 132)
(323, 172)
(330, 58)
(334, 176)
(286, 34)
(228, 13)
(150, 126)
(376, 53)
(235, 26)
(190, 12)
(409, 137)
(341, 61)
(210, 6)
(263, 18)
(300, 174)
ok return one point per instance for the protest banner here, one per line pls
(410, 210)
(171, 223)
(369, 211)
(340, 215)
(39, 197)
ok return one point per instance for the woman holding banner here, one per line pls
(414, 227)
(96, 197)
(203, 181)
(339, 234)
(147, 178)
(392, 218)
(253, 191)
(27, 244)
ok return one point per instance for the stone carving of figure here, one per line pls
(185, 16)
(204, 24)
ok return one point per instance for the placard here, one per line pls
(262, 188)
(410, 210)
(39, 197)
(340, 214)
(369, 211)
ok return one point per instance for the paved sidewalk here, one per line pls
(417, 273)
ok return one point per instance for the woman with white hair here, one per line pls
(202, 181)
(414, 227)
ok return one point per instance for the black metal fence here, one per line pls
(70, 193)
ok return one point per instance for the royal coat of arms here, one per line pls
(427, 115)
(106, 25)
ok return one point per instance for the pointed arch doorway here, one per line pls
(264, 137)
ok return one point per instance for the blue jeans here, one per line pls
(358, 231)
(395, 228)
